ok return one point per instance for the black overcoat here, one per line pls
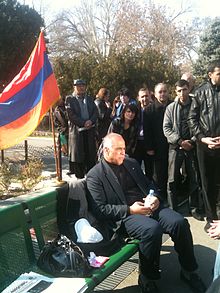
(76, 147)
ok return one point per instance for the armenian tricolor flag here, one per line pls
(28, 97)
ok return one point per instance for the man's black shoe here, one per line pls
(197, 215)
(194, 282)
(147, 286)
(207, 226)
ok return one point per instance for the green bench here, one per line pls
(16, 249)
(20, 249)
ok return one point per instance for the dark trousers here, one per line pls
(81, 168)
(209, 165)
(149, 231)
(177, 159)
(140, 154)
(161, 175)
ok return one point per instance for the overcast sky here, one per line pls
(200, 8)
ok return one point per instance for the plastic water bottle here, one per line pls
(148, 200)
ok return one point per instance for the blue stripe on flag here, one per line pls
(26, 99)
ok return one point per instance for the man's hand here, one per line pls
(88, 124)
(186, 145)
(155, 203)
(212, 142)
(151, 152)
(138, 208)
(214, 231)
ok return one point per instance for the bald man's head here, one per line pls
(114, 148)
(190, 78)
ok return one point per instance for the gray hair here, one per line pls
(109, 138)
(107, 142)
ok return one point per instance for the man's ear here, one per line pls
(106, 150)
(209, 74)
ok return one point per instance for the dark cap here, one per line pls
(79, 82)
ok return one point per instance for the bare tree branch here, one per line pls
(104, 27)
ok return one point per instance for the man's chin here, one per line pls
(121, 161)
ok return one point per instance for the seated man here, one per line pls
(117, 186)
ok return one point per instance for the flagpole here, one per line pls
(56, 155)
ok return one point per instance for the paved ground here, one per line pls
(205, 250)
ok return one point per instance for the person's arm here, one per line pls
(93, 111)
(194, 116)
(193, 122)
(60, 122)
(171, 134)
(138, 208)
(148, 130)
(101, 206)
(114, 126)
(104, 112)
(73, 116)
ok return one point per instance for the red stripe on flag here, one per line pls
(28, 72)
(16, 131)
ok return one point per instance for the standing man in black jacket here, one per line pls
(156, 142)
(140, 153)
(204, 122)
(181, 149)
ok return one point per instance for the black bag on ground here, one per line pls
(61, 257)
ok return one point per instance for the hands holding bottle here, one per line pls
(141, 208)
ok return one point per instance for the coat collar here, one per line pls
(113, 180)
(134, 174)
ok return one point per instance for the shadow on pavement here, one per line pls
(170, 278)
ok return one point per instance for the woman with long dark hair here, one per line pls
(127, 126)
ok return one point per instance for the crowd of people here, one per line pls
(176, 141)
